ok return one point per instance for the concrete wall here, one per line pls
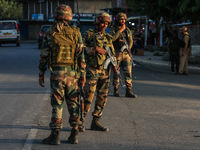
(195, 50)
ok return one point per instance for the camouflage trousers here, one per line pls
(97, 79)
(124, 62)
(64, 87)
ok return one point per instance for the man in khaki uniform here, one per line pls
(185, 51)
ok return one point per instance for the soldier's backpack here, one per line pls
(64, 46)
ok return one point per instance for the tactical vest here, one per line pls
(182, 43)
(117, 44)
(98, 60)
(64, 46)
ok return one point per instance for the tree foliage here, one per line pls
(171, 10)
(10, 10)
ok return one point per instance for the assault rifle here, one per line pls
(81, 102)
(125, 47)
(110, 59)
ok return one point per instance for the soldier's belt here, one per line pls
(61, 67)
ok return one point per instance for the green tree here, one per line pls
(10, 10)
(171, 10)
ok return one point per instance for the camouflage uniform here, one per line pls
(123, 58)
(64, 83)
(62, 51)
(97, 78)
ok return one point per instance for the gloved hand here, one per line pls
(101, 50)
(82, 81)
(41, 81)
(78, 50)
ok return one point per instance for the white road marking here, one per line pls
(29, 141)
(32, 134)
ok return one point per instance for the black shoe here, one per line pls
(96, 125)
(185, 73)
(73, 138)
(179, 73)
(116, 91)
(129, 93)
(54, 138)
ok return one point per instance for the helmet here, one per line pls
(63, 12)
(102, 17)
(121, 16)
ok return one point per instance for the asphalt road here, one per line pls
(165, 116)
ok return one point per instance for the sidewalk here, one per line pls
(152, 62)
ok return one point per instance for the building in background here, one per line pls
(39, 12)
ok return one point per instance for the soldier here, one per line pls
(63, 53)
(185, 51)
(122, 34)
(174, 48)
(97, 77)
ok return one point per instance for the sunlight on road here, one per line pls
(182, 85)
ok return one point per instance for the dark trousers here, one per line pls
(175, 61)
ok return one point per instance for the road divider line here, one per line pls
(32, 134)
(30, 139)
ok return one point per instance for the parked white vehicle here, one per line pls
(9, 32)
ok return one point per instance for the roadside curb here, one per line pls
(159, 66)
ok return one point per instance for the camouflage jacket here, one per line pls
(118, 37)
(47, 49)
(92, 39)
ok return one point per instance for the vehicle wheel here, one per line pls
(18, 44)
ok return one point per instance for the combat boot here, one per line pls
(73, 138)
(116, 91)
(129, 93)
(82, 126)
(96, 125)
(54, 138)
